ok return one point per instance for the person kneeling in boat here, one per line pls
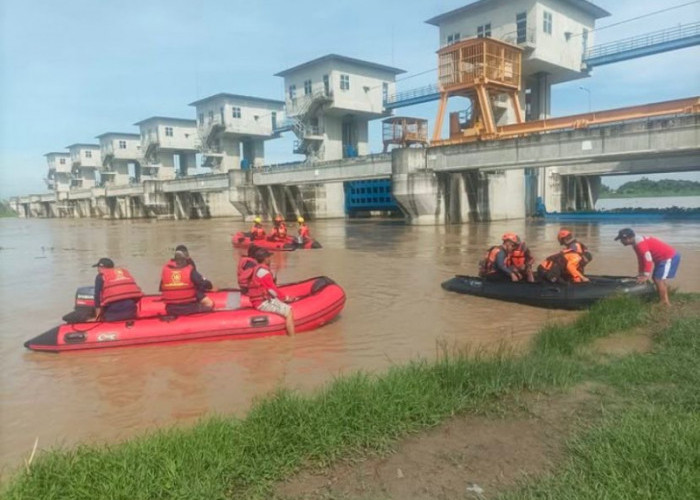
(264, 294)
(183, 288)
(257, 232)
(520, 258)
(567, 240)
(495, 266)
(652, 252)
(564, 266)
(279, 231)
(303, 234)
(116, 292)
(246, 266)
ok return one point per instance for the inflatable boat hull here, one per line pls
(550, 295)
(242, 240)
(318, 301)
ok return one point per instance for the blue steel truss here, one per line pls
(678, 37)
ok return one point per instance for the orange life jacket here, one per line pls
(488, 264)
(257, 232)
(564, 265)
(176, 284)
(245, 273)
(257, 292)
(118, 284)
(520, 257)
(280, 231)
(582, 250)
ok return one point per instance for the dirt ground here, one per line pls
(477, 457)
(470, 457)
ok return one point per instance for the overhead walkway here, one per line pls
(648, 44)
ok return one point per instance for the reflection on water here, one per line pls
(396, 311)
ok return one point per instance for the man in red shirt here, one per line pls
(652, 252)
(264, 294)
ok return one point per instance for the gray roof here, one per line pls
(120, 134)
(237, 96)
(83, 145)
(186, 121)
(58, 153)
(584, 5)
(336, 57)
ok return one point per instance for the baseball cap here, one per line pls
(104, 262)
(261, 253)
(625, 233)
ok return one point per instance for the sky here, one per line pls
(74, 69)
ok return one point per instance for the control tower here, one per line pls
(553, 36)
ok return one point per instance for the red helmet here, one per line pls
(563, 234)
(279, 218)
(511, 237)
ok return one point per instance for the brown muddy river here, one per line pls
(395, 312)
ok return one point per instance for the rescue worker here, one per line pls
(521, 259)
(246, 266)
(495, 264)
(279, 231)
(303, 234)
(264, 294)
(183, 249)
(116, 292)
(567, 240)
(183, 288)
(257, 232)
(652, 252)
(564, 266)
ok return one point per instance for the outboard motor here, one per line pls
(84, 305)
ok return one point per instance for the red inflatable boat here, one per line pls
(242, 240)
(318, 300)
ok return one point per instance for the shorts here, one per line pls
(666, 269)
(275, 306)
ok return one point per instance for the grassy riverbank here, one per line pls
(645, 446)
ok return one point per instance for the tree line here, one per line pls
(647, 187)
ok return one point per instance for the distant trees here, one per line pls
(5, 210)
(647, 187)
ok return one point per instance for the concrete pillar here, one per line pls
(506, 194)
(231, 149)
(416, 188)
(540, 96)
(254, 153)
(243, 195)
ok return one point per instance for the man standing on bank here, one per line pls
(652, 252)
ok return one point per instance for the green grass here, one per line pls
(242, 458)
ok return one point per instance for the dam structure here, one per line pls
(491, 160)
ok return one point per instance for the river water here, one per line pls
(643, 202)
(396, 311)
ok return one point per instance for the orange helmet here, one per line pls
(511, 237)
(563, 234)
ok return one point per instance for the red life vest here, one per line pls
(280, 231)
(488, 264)
(520, 257)
(257, 292)
(245, 273)
(176, 284)
(118, 284)
(304, 231)
(257, 232)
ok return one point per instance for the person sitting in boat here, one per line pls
(303, 234)
(564, 266)
(495, 266)
(652, 252)
(246, 266)
(264, 294)
(116, 292)
(183, 249)
(183, 288)
(257, 232)
(279, 231)
(567, 240)
(521, 259)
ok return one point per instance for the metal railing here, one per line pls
(304, 165)
(429, 91)
(644, 41)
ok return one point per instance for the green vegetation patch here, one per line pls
(241, 458)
